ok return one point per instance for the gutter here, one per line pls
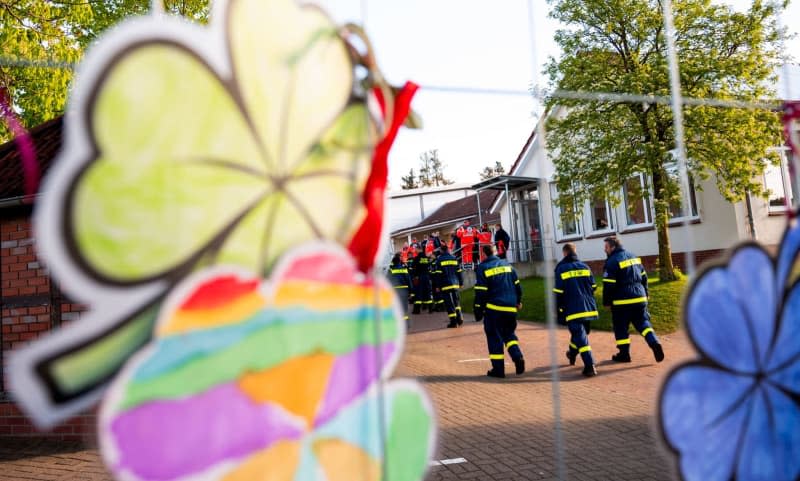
(19, 200)
(418, 228)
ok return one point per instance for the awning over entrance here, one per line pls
(506, 182)
(524, 215)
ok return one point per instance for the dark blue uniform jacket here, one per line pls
(399, 277)
(574, 288)
(624, 279)
(421, 266)
(447, 273)
(496, 287)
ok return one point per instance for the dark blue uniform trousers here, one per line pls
(452, 304)
(623, 316)
(402, 296)
(579, 340)
(499, 328)
(422, 293)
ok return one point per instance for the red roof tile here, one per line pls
(463, 208)
(47, 141)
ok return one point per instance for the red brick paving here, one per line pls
(504, 428)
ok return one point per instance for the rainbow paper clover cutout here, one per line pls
(279, 380)
(188, 147)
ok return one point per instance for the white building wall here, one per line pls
(769, 225)
(719, 224)
(406, 208)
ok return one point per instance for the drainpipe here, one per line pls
(750, 221)
(480, 217)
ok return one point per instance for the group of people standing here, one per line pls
(429, 281)
(465, 244)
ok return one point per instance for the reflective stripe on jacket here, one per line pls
(574, 288)
(624, 279)
(399, 277)
(496, 286)
(448, 272)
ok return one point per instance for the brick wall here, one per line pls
(31, 306)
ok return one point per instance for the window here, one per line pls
(566, 225)
(637, 204)
(776, 180)
(600, 214)
(676, 206)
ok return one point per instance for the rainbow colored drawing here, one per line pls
(277, 379)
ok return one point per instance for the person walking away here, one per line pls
(401, 281)
(449, 283)
(498, 298)
(625, 291)
(422, 286)
(574, 288)
(502, 240)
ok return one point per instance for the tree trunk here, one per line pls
(666, 271)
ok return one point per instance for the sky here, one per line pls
(468, 45)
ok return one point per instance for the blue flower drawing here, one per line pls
(734, 414)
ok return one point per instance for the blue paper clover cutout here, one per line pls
(735, 412)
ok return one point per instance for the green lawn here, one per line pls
(666, 301)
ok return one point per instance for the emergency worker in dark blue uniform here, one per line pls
(436, 272)
(498, 297)
(448, 281)
(574, 288)
(422, 283)
(625, 290)
(401, 281)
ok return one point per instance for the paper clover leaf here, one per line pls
(733, 414)
(197, 165)
(245, 378)
(189, 146)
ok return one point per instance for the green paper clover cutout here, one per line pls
(195, 166)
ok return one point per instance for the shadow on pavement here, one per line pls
(20, 448)
(597, 448)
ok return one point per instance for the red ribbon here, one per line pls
(364, 244)
(24, 143)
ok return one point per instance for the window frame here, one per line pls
(783, 170)
(589, 214)
(556, 211)
(647, 204)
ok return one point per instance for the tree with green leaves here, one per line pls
(488, 172)
(409, 181)
(431, 170)
(40, 41)
(619, 46)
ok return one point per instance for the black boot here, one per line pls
(493, 373)
(658, 352)
(590, 370)
(621, 357)
(572, 356)
(520, 365)
(452, 324)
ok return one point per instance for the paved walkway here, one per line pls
(503, 429)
